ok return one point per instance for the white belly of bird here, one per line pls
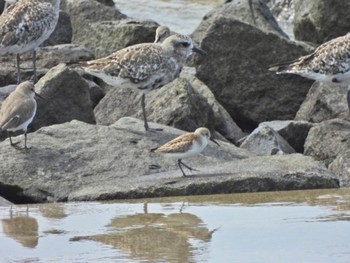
(195, 149)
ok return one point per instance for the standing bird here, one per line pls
(145, 66)
(330, 62)
(25, 25)
(18, 110)
(186, 145)
(162, 32)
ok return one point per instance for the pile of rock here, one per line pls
(278, 132)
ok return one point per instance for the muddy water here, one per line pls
(182, 16)
(295, 226)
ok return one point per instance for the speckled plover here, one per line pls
(25, 25)
(329, 63)
(145, 66)
(162, 32)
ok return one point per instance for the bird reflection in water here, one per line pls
(155, 236)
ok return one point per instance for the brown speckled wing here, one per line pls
(332, 57)
(18, 23)
(179, 144)
(137, 62)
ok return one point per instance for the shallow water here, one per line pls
(295, 226)
(182, 16)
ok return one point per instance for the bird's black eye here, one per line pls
(185, 44)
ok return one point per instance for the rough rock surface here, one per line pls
(223, 123)
(240, 10)
(266, 141)
(176, 104)
(235, 69)
(318, 21)
(186, 103)
(341, 168)
(294, 132)
(105, 37)
(83, 12)
(79, 161)
(328, 139)
(66, 97)
(323, 102)
(63, 32)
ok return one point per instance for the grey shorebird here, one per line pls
(162, 32)
(186, 145)
(145, 66)
(329, 63)
(25, 25)
(18, 110)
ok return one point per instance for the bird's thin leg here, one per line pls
(25, 141)
(143, 105)
(348, 97)
(252, 11)
(179, 164)
(35, 76)
(189, 168)
(18, 61)
(13, 144)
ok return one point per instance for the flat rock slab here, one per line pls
(79, 161)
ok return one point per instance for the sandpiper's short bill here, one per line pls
(185, 146)
(145, 66)
(18, 110)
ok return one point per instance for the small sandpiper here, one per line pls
(25, 25)
(329, 63)
(162, 32)
(18, 110)
(186, 145)
(145, 66)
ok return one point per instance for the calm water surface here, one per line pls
(182, 16)
(296, 226)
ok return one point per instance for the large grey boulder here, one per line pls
(240, 10)
(105, 37)
(84, 12)
(266, 141)
(328, 139)
(176, 104)
(63, 32)
(318, 21)
(66, 97)
(79, 161)
(341, 168)
(223, 122)
(186, 103)
(235, 69)
(294, 132)
(103, 29)
(323, 102)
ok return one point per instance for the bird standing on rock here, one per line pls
(18, 110)
(145, 66)
(329, 63)
(186, 145)
(25, 25)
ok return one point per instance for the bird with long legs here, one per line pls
(24, 26)
(145, 66)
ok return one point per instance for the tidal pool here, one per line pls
(294, 226)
